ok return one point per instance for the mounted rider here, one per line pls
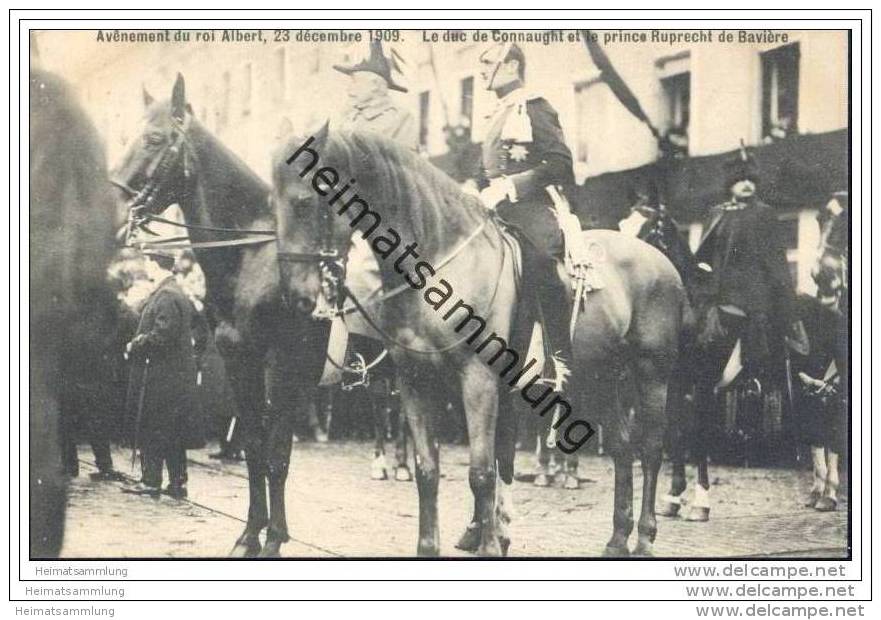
(370, 108)
(526, 166)
(749, 277)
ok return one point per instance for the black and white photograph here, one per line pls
(508, 291)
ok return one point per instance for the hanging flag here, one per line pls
(616, 84)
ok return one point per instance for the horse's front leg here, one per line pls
(419, 405)
(480, 397)
(278, 454)
(246, 379)
(677, 432)
(379, 417)
(402, 429)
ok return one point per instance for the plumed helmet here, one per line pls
(741, 166)
(376, 62)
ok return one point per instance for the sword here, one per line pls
(140, 412)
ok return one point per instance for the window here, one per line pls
(466, 101)
(780, 92)
(677, 95)
(280, 74)
(587, 107)
(223, 110)
(424, 111)
(247, 88)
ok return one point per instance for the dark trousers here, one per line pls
(86, 415)
(553, 297)
(175, 460)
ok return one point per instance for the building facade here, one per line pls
(785, 97)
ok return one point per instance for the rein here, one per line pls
(360, 307)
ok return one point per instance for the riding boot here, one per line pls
(556, 308)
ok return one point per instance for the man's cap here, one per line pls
(376, 62)
(741, 166)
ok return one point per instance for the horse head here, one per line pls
(830, 269)
(309, 183)
(155, 171)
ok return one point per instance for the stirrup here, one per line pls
(358, 368)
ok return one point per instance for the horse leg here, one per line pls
(506, 447)
(402, 470)
(420, 408)
(622, 455)
(652, 420)
(542, 453)
(480, 396)
(704, 401)
(279, 443)
(246, 379)
(378, 467)
(671, 503)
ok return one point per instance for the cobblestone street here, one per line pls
(334, 509)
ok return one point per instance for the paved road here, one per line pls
(336, 510)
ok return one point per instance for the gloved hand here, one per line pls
(498, 191)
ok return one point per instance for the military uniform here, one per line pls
(169, 421)
(383, 117)
(524, 150)
(524, 144)
(749, 271)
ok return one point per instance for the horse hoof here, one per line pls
(402, 474)
(668, 509)
(698, 514)
(541, 480)
(826, 504)
(378, 470)
(644, 549)
(504, 545)
(613, 551)
(272, 549)
(492, 549)
(470, 539)
(813, 498)
(427, 550)
(245, 549)
(571, 482)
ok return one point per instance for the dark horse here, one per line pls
(635, 320)
(71, 242)
(688, 432)
(176, 160)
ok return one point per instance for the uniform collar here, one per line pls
(517, 96)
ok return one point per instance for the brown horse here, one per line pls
(443, 257)
(177, 161)
(71, 242)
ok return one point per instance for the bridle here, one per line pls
(178, 152)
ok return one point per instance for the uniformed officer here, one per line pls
(370, 107)
(162, 386)
(749, 273)
(525, 164)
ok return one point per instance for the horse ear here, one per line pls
(148, 98)
(179, 98)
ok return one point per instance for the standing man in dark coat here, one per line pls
(162, 386)
(746, 298)
(525, 164)
(749, 274)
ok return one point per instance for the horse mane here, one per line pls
(234, 181)
(398, 182)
